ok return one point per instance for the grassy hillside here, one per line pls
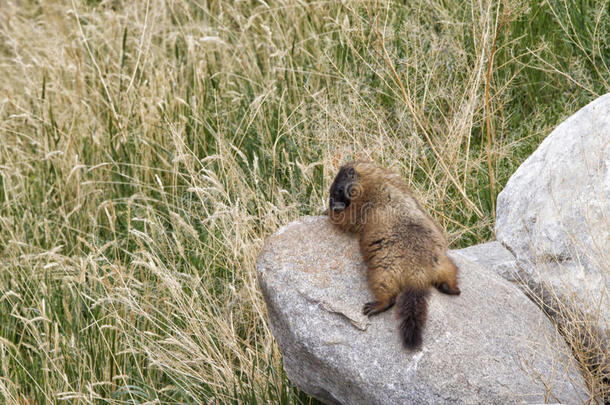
(147, 148)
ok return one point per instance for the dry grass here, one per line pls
(583, 329)
(148, 148)
(578, 314)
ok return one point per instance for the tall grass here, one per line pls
(148, 148)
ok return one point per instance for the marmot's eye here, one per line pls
(351, 172)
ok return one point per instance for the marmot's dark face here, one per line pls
(343, 189)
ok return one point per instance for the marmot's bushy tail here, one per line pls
(412, 311)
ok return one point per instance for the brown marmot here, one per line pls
(404, 249)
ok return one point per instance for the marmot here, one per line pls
(404, 249)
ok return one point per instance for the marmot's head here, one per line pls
(343, 188)
(346, 194)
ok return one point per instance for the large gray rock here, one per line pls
(554, 216)
(488, 345)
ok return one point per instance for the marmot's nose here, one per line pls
(336, 205)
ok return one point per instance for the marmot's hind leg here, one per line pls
(446, 279)
(376, 307)
(385, 296)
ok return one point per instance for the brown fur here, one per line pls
(404, 249)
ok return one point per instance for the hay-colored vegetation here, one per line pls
(147, 148)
